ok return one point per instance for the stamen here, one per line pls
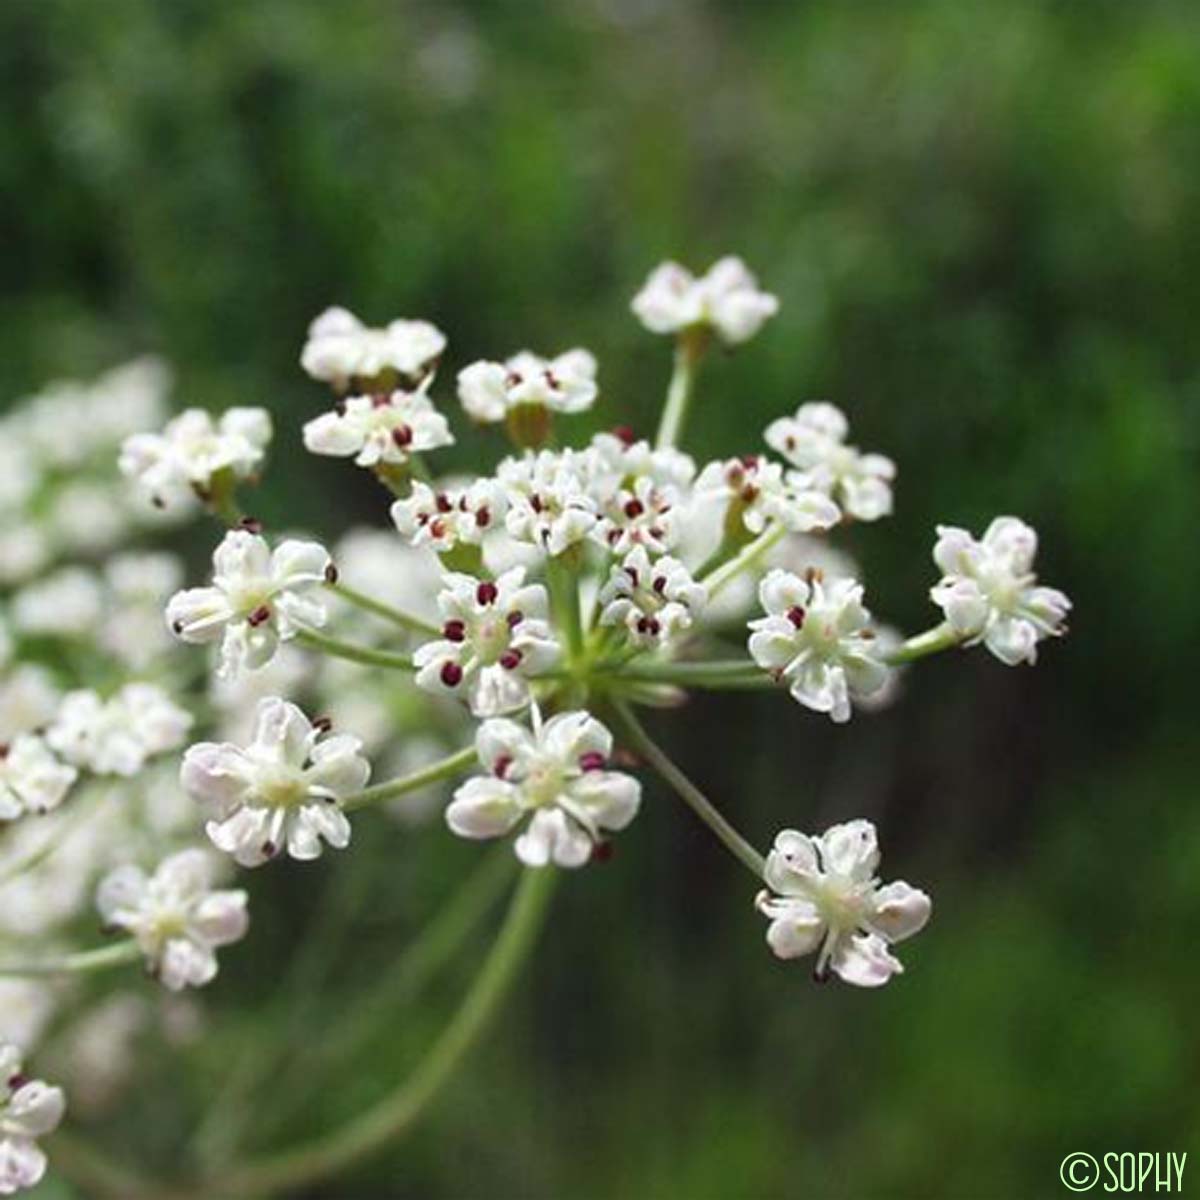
(259, 616)
(402, 435)
(487, 592)
(331, 573)
(510, 660)
(796, 615)
(451, 674)
(593, 760)
(454, 631)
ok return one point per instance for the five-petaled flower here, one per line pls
(557, 775)
(283, 790)
(489, 391)
(175, 915)
(817, 637)
(32, 780)
(255, 601)
(757, 491)
(443, 518)
(495, 638)
(549, 502)
(654, 600)
(989, 592)
(341, 350)
(727, 298)
(824, 896)
(29, 1109)
(386, 428)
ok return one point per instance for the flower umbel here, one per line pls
(29, 1109)
(654, 601)
(341, 349)
(387, 428)
(32, 780)
(727, 298)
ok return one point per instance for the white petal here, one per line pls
(900, 911)
(864, 961)
(851, 850)
(483, 807)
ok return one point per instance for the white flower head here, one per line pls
(29, 1109)
(283, 790)
(176, 917)
(67, 603)
(654, 600)
(494, 640)
(549, 505)
(32, 780)
(557, 775)
(444, 518)
(727, 298)
(118, 735)
(814, 440)
(255, 601)
(340, 349)
(175, 466)
(817, 637)
(757, 489)
(824, 896)
(29, 698)
(989, 592)
(618, 457)
(566, 384)
(642, 513)
(385, 428)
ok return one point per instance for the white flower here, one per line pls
(442, 519)
(556, 774)
(341, 348)
(32, 780)
(566, 384)
(814, 440)
(655, 601)
(817, 637)
(827, 897)
(65, 604)
(255, 600)
(28, 699)
(549, 505)
(139, 585)
(494, 640)
(727, 298)
(760, 493)
(989, 592)
(117, 736)
(282, 790)
(173, 466)
(29, 1109)
(643, 514)
(179, 921)
(385, 428)
(619, 457)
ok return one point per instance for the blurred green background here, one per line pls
(982, 222)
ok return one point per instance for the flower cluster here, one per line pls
(29, 1109)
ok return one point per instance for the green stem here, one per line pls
(84, 963)
(932, 641)
(720, 578)
(713, 676)
(324, 644)
(386, 611)
(444, 768)
(689, 349)
(563, 581)
(397, 1111)
(689, 792)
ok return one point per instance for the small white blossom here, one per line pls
(557, 775)
(117, 736)
(174, 466)
(549, 505)
(256, 599)
(177, 918)
(385, 428)
(65, 604)
(814, 440)
(643, 514)
(654, 601)
(28, 699)
(340, 348)
(619, 457)
(139, 585)
(989, 592)
(32, 780)
(442, 519)
(29, 1109)
(566, 384)
(817, 637)
(494, 640)
(727, 298)
(283, 790)
(828, 899)
(761, 494)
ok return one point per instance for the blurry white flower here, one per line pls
(177, 918)
(26, 1006)
(340, 348)
(29, 1109)
(727, 298)
(255, 600)
(28, 699)
(117, 736)
(817, 637)
(65, 604)
(139, 586)
(24, 550)
(494, 640)
(377, 562)
(86, 516)
(442, 519)
(174, 466)
(814, 440)
(557, 775)
(19, 473)
(549, 505)
(281, 791)
(989, 592)
(566, 384)
(827, 897)
(385, 428)
(756, 489)
(655, 601)
(32, 780)
(97, 1055)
